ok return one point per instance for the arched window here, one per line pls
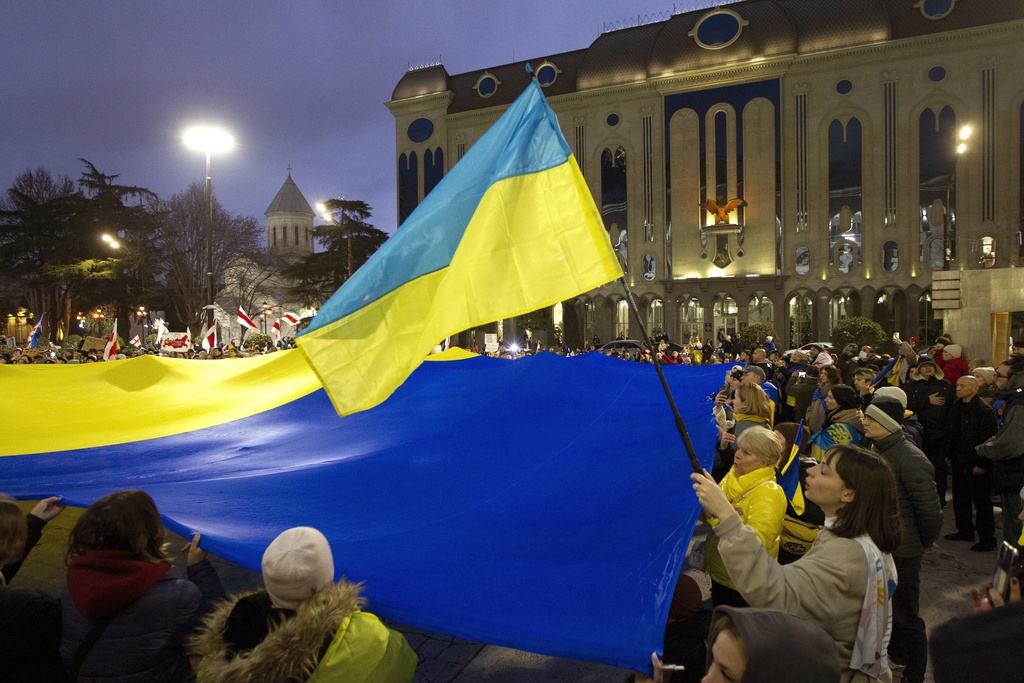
(408, 190)
(937, 157)
(296, 235)
(890, 256)
(760, 309)
(656, 317)
(838, 309)
(588, 321)
(885, 312)
(725, 310)
(801, 319)
(613, 201)
(621, 319)
(845, 188)
(691, 319)
(803, 260)
(433, 169)
(273, 231)
(987, 251)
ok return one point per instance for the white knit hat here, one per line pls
(892, 392)
(297, 564)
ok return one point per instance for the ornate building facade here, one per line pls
(834, 125)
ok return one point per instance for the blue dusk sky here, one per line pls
(299, 83)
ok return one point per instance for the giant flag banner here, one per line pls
(520, 503)
(511, 229)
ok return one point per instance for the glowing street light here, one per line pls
(209, 140)
(113, 243)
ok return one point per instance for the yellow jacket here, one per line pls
(762, 506)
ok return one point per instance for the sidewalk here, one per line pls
(947, 575)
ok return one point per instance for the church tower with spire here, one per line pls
(289, 222)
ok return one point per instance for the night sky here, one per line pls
(298, 83)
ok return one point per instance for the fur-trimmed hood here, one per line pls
(292, 649)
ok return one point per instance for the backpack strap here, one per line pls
(87, 644)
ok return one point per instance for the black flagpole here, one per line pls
(680, 425)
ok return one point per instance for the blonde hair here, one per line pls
(755, 401)
(762, 444)
(13, 530)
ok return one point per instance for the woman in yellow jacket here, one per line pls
(303, 629)
(761, 503)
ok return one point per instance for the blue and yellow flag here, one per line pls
(890, 373)
(511, 229)
(789, 479)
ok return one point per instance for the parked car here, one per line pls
(627, 345)
(825, 346)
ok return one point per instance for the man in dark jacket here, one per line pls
(971, 422)
(1006, 448)
(928, 397)
(921, 519)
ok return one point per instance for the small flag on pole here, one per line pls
(136, 342)
(290, 318)
(110, 349)
(210, 338)
(275, 332)
(789, 479)
(33, 337)
(244, 320)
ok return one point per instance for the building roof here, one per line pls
(772, 28)
(289, 200)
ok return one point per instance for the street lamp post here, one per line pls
(947, 240)
(209, 140)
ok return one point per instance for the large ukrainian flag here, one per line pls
(512, 228)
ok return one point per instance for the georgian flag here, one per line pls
(136, 342)
(245, 321)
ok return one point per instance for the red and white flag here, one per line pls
(110, 349)
(136, 342)
(245, 321)
(210, 338)
(290, 318)
(275, 332)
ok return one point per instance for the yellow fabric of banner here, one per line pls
(60, 407)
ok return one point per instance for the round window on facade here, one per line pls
(935, 9)
(547, 73)
(420, 130)
(844, 87)
(613, 119)
(718, 28)
(936, 74)
(487, 84)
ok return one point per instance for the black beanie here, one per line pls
(944, 339)
(846, 396)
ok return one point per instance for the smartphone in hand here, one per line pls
(1008, 566)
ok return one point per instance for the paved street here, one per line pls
(948, 572)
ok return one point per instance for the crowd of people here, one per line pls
(875, 445)
(55, 355)
(824, 575)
